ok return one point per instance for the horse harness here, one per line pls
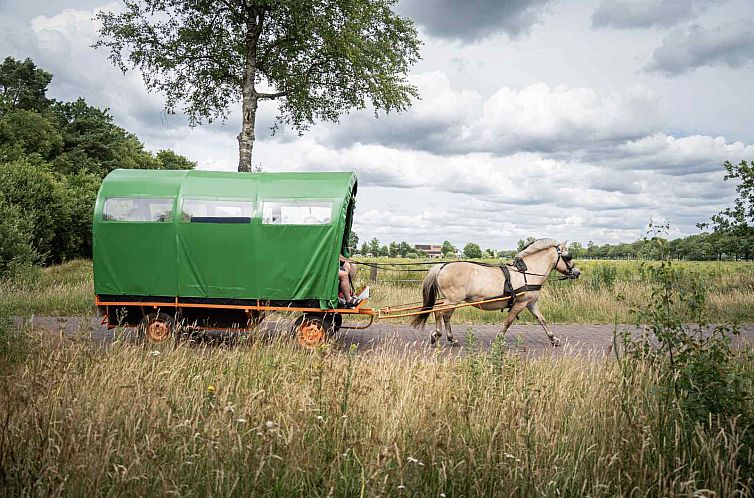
(521, 268)
(508, 289)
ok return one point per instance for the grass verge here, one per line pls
(68, 290)
(266, 419)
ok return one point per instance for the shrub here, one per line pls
(704, 380)
(39, 194)
(16, 250)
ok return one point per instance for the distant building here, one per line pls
(432, 250)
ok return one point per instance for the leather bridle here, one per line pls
(568, 260)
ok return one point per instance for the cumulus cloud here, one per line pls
(630, 14)
(536, 118)
(540, 118)
(730, 45)
(436, 121)
(475, 19)
(679, 156)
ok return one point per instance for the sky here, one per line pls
(580, 120)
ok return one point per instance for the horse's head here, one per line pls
(565, 264)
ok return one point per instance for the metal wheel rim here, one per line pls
(157, 330)
(310, 333)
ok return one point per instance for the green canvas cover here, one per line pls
(211, 234)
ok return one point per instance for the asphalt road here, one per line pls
(589, 339)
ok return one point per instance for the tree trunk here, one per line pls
(249, 93)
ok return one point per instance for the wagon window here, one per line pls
(216, 211)
(296, 212)
(137, 209)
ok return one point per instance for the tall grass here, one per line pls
(606, 291)
(68, 290)
(65, 289)
(269, 420)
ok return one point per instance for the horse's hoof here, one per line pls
(453, 343)
(432, 340)
(555, 342)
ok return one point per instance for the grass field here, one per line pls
(267, 419)
(67, 290)
(264, 418)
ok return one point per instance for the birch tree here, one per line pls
(316, 59)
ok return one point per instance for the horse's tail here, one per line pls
(429, 297)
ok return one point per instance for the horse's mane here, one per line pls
(537, 246)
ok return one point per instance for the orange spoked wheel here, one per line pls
(157, 327)
(310, 331)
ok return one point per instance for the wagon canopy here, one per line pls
(224, 236)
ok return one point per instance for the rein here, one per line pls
(510, 266)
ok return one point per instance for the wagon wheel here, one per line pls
(310, 331)
(157, 327)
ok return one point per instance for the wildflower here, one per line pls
(320, 418)
(442, 495)
(154, 353)
(211, 389)
(401, 487)
(241, 420)
(512, 457)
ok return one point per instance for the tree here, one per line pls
(17, 250)
(523, 243)
(738, 220)
(24, 132)
(167, 159)
(23, 85)
(472, 251)
(39, 194)
(384, 251)
(353, 242)
(575, 249)
(393, 249)
(404, 249)
(448, 249)
(374, 247)
(364, 249)
(591, 250)
(319, 59)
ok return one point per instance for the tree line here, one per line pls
(53, 157)
(731, 236)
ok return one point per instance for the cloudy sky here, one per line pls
(572, 119)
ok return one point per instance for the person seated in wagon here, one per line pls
(346, 272)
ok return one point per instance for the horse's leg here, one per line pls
(448, 329)
(541, 319)
(512, 314)
(438, 328)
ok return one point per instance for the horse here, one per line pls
(464, 281)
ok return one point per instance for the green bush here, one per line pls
(39, 194)
(706, 382)
(16, 250)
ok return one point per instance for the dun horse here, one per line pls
(470, 282)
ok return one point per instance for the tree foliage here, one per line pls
(319, 59)
(23, 85)
(448, 249)
(53, 156)
(740, 216)
(472, 251)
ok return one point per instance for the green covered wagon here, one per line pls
(216, 250)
